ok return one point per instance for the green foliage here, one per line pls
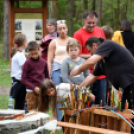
(28, 4)
(109, 11)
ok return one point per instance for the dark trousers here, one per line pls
(99, 89)
(20, 99)
(18, 92)
(128, 95)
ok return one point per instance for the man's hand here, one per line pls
(53, 132)
(92, 97)
(75, 72)
(37, 89)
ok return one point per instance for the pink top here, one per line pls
(60, 53)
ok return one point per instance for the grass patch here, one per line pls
(5, 74)
(5, 78)
(4, 101)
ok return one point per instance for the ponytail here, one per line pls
(101, 39)
(14, 50)
(18, 41)
(94, 39)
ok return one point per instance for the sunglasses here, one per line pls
(61, 21)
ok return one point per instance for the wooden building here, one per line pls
(13, 10)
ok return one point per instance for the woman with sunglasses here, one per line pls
(56, 54)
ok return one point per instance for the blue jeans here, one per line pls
(56, 78)
(99, 89)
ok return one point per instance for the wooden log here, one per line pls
(110, 124)
(117, 124)
(97, 120)
(104, 121)
(11, 116)
(78, 120)
(92, 121)
(66, 119)
(128, 113)
(89, 129)
(123, 127)
(77, 131)
(106, 113)
(128, 128)
(63, 108)
(72, 120)
(85, 121)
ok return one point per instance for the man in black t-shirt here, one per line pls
(112, 60)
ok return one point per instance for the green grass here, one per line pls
(5, 78)
(3, 101)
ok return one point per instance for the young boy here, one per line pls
(74, 61)
(34, 72)
(108, 31)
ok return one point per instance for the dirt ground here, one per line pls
(4, 90)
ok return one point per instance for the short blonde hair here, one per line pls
(73, 43)
(108, 31)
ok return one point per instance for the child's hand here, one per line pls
(37, 89)
(92, 97)
(53, 132)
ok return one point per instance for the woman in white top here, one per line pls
(18, 90)
(56, 54)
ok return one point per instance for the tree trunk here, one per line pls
(1, 19)
(99, 7)
(18, 4)
(93, 5)
(85, 3)
(123, 14)
(54, 11)
(117, 16)
(6, 30)
(71, 16)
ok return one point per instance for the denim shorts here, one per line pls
(56, 73)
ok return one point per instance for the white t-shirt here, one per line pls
(63, 89)
(17, 62)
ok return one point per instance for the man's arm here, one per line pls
(86, 65)
(86, 73)
(89, 80)
(85, 56)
